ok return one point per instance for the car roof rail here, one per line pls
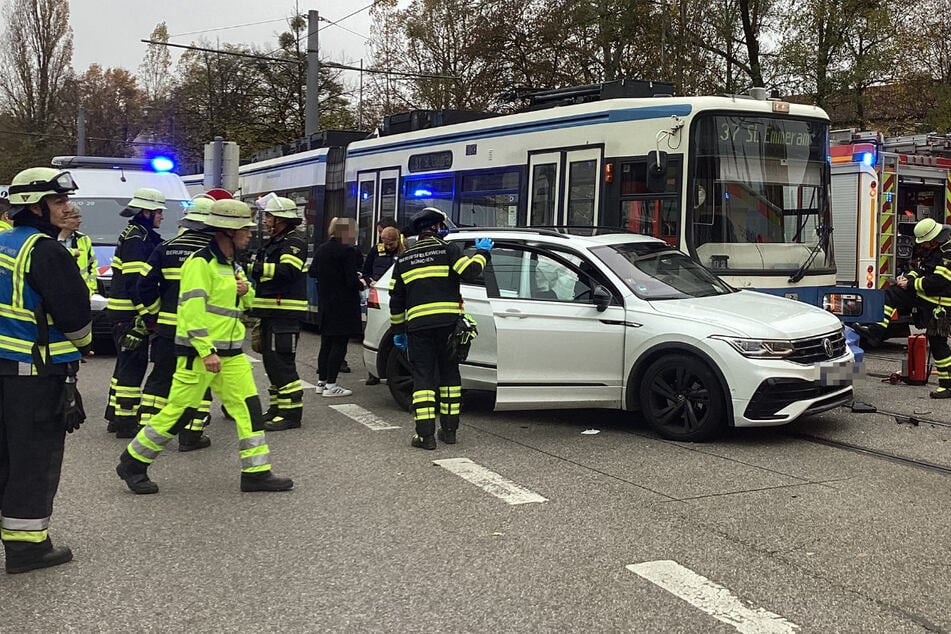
(547, 231)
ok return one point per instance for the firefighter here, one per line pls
(928, 289)
(208, 339)
(158, 291)
(80, 247)
(5, 221)
(44, 329)
(425, 304)
(129, 330)
(280, 301)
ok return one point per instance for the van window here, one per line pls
(103, 224)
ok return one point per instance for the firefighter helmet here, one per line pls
(144, 199)
(229, 214)
(31, 185)
(428, 217)
(927, 230)
(284, 208)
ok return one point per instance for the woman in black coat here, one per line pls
(335, 266)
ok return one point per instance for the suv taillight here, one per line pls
(373, 300)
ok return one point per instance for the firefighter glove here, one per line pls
(136, 336)
(75, 414)
(484, 244)
(400, 342)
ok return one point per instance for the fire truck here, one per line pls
(882, 186)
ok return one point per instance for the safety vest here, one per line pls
(280, 281)
(5, 226)
(209, 309)
(19, 304)
(80, 246)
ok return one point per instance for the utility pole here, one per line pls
(311, 106)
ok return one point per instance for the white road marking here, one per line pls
(306, 385)
(489, 481)
(364, 417)
(713, 599)
(252, 359)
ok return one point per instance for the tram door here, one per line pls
(564, 187)
(376, 198)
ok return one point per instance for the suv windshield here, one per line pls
(103, 224)
(655, 271)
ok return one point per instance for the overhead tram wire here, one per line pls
(227, 28)
(293, 61)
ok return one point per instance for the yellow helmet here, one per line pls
(927, 230)
(144, 199)
(281, 207)
(229, 214)
(31, 185)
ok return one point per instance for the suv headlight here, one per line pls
(759, 348)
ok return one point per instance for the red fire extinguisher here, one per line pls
(915, 371)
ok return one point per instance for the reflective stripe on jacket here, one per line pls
(19, 305)
(209, 308)
(280, 288)
(159, 286)
(424, 289)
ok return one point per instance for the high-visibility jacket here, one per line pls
(159, 286)
(280, 288)
(135, 245)
(934, 285)
(80, 247)
(22, 307)
(209, 308)
(5, 226)
(424, 289)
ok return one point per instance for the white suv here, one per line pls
(625, 321)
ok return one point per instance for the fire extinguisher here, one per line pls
(915, 370)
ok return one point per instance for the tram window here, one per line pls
(582, 182)
(388, 197)
(489, 199)
(655, 217)
(366, 237)
(427, 192)
(634, 177)
(544, 190)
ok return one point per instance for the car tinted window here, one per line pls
(531, 273)
(103, 224)
(654, 271)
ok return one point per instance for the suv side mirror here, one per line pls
(601, 298)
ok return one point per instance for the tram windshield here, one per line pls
(759, 195)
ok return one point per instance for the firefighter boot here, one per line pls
(27, 556)
(264, 481)
(190, 440)
(943, 391)
(283, 421)
(423, 442)
(135, 474)
(447, 436)
(272, 409)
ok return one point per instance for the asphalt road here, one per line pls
(762, 531)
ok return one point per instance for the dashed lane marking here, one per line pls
(364, 417)
(489, 481)
(711, 598)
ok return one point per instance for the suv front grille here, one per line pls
(775, 394)
(814, 350)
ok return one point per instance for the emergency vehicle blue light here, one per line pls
(163, 164)
(422, 193)
(868, 158)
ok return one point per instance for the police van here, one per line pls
(105, 186)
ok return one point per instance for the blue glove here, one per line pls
(400, 342)
(484, 244)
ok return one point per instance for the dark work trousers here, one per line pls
(159, 383)
(125, 390)
(279, 353)
(941, 353)
(905, 299)
(434, 369)
(32, 432)
(333, 348)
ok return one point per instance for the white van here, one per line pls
(105, 186)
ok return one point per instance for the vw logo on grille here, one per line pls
(827, 346)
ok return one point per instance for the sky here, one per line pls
(108, 32)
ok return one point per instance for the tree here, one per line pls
(36, 63)
(115, 110)
(155, 70)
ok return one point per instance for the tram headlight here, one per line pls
(759, 348)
